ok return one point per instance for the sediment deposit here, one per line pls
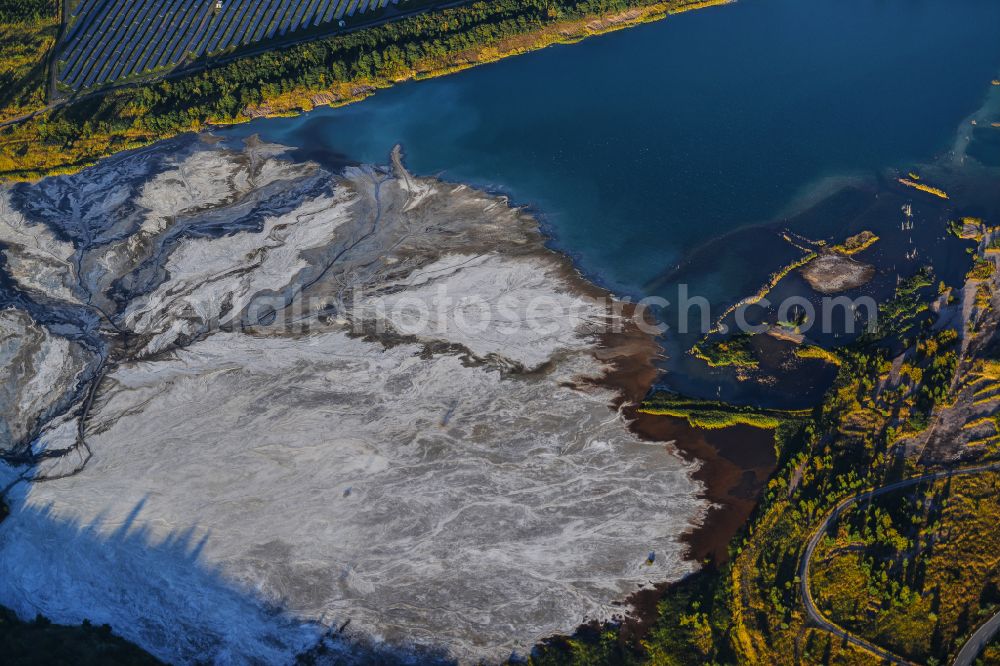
(255, 400)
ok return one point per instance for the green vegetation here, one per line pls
(28, 30)
(799, 317)
(814, 352)
(967, 228)
(857, 243)
(750, 610)
(901, 314)
(736, 351)
(903, 571)
(982, 269)
(711, 414)
(41, 642)
(27, 12)
(335, 70)
(765, 289)
(991, 653)
(929, 189)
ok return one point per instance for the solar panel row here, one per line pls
(114, 39)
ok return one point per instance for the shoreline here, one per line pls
(674, 507)
(302, 100)
(566, 32)
(734, 463)
(646, 604)
(733, 467)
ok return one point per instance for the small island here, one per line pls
(835, 270)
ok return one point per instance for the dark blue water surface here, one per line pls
(642, 144)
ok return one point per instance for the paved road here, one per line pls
(979, 640)
(817, 617)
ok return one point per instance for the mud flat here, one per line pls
(269, 398)
(832, 273)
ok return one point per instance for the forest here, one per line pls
(889, 570)
(28, 30)
(335, 70)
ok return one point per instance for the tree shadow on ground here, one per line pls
(158, 593)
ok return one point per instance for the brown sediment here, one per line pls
(735, 462)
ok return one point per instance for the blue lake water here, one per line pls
(639, 145)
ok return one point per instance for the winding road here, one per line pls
(969, 651)
(979, 640)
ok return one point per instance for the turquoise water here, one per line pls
(640, 145)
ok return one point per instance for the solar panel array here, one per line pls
(114, 39)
